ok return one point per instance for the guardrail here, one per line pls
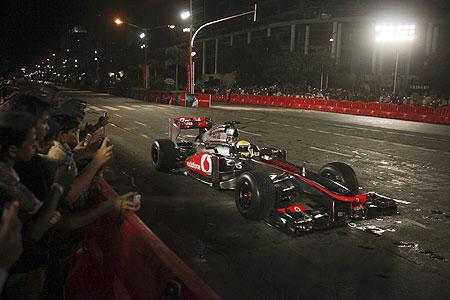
(419, 113)
(123, 259)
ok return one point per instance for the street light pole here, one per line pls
(399, 33)
(144, 35)
(191, 45)
(396, 72)
(191, 88)
(146, 46)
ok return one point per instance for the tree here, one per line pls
(175, 57)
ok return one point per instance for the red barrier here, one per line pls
(204, 100)
(123, 259)
(430, 114)
(234, 98)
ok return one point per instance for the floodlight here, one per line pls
(395, 33)
(185, 14)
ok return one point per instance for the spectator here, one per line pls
(37, 108)
(10, 237)
(17, 141)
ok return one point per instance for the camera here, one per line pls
(68, 159)
(87, 139)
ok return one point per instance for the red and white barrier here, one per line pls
(123, 259)
(422, 113)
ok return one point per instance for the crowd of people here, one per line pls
(50, 159)
(381, 95)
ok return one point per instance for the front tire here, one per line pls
(341, 173)
(255, 195)
(164, 155)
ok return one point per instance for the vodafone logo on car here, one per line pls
(200, 163)
(206, 164)
(193, 165)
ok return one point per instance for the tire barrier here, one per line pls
(418, 113)
(122, 259)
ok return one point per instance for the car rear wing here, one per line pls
(176, 124)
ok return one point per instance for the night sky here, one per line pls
(31, 29)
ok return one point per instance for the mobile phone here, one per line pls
(105, 114)
(87, 139)
(68, 159)
(136, 197)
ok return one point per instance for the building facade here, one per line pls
(343, 29)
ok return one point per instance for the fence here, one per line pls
(122, 259)
(419, 113)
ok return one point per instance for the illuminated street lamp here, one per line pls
(142, 35)
(398, 33)
(191, 81)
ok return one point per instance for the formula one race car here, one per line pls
(267, 187)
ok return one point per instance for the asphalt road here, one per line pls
(241, 259)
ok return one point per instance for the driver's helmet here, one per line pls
(243, 148)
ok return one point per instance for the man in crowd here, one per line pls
(10, 236)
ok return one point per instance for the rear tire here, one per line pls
(164, 155)
(341, 173)
(255, 195)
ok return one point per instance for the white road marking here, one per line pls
(111, 108)
(391, 132)
(375, 140)
(329, 151)
(117, 115)
(251, 133)
(417, 223)
(434, 139)
(142, 124)
(402, 201)
(248, 119)
(126, 107)
(339, 134)
(188, 136)
(96, 108)
(147, 107)
(145, 136)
